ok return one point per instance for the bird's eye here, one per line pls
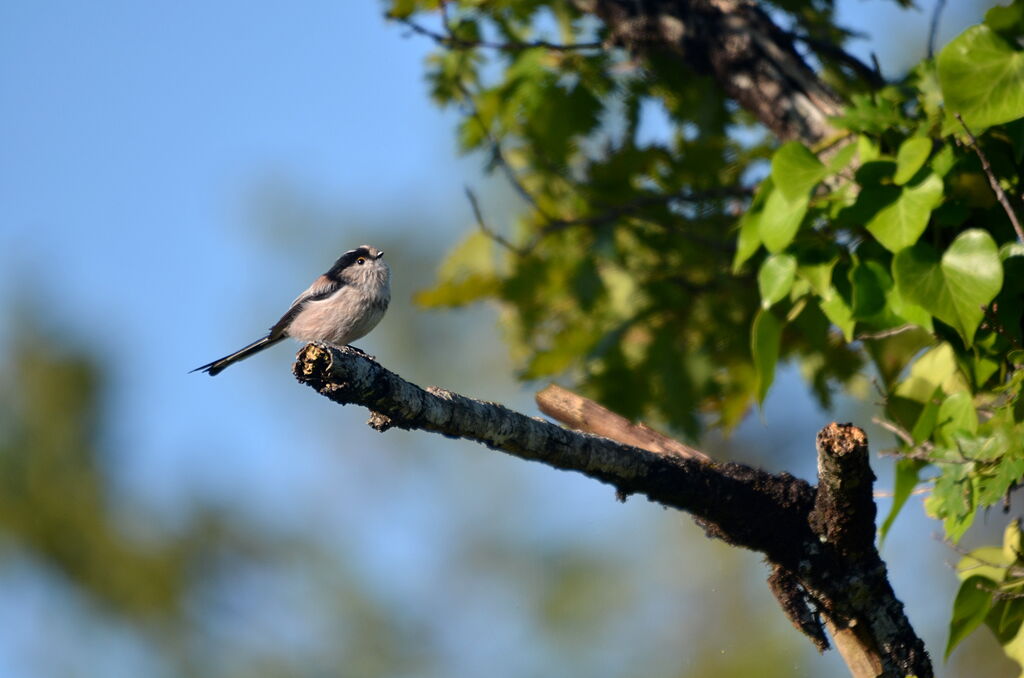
(361, 260)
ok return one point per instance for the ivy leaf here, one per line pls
(982, 77)
(973, 601)
(765, 338)
(899, 224)
(956, 415)
(780, 220)
(838, 311)
(749, 239)
(989, 562)
(775, 278)
(952, 499)
(911, 157)
(817, 274)
(936, 369)
(956, 287)
(868, 281)
(795, 170)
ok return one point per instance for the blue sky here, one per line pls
(140, 141)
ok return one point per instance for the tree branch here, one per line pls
(738, 44)
(739, 504)
(585, 415)
(818, 542)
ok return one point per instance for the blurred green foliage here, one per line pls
(667, 275)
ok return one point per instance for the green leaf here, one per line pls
(905, 481)
(936, 369)
(982, 77)
(956, 287)
(1012, 540)
(989, 562)
(908, 310)
(899, 224)
(818, 274)
(775, 278)
(781, 220)
(466, 275)
(973, 601)
(952, 499)
(837, 310)
(842, 157)
(795, 170)
(1009, 19)
(765, 339)
(868, 281)
(749, 239)
(911, 157)
(956, 416)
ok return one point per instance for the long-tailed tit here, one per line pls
(340, 306)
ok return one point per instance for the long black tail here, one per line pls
(218, 366)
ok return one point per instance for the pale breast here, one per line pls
(344, 317)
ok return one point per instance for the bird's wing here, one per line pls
(321, 288)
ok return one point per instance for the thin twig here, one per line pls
(498, 154)
(993, 182)
(554, 224)
(493, 235)
(885, 334)
(933, 27)
(879, 494)
(453, 42)
(991, 322)
(896, 429)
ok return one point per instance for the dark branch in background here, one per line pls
(735, 42)
(993, 182)
(933, 26)
(554, 224)
(493, 235)
(838, 54)
(452, 41)
(825, 568)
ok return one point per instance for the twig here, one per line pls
(933, 27)
(993, 182)
(493, 235)
(454, 42)
(896, 429)
(499, 155)
(992, 322)
(885, 334)
(554, 224)
(877, 66)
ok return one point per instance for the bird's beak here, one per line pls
(380, 254)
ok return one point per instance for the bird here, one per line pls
(341, 306)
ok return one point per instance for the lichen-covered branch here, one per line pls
(742, 505)
(826, 570)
